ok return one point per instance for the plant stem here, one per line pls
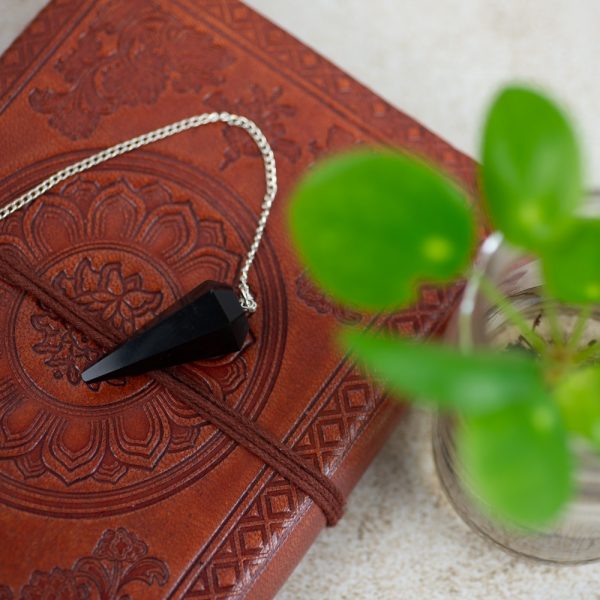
(555, 332)
(495, 296)
(579, 328)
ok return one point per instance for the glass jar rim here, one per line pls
(466, 309)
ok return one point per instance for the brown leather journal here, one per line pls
(119, 489)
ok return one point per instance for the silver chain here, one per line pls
(247, 299)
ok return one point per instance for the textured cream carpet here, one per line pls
(440, 62)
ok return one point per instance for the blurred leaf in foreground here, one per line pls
(438, 375)
(516, 462)
(572, 267)
(578, 397)
(511, 439)
(531, 169)
(370, 225)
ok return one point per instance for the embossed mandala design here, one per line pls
(90, 276)
(124, 251)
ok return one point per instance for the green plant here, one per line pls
(371, 226)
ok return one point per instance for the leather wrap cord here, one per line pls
(182, 383)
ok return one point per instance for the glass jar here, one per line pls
(575, 537)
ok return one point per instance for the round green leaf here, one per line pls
(440, 376)
(371, 225)
(531, 168)
(578, 397)
(572, 267)
(517, 463)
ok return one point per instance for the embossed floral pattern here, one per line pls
(130, 54)
(66, 351)
(119, 281)
(59, 584)
(120, 545)
(120, 300)
(117, 299)
(268, 112)
(119, 559)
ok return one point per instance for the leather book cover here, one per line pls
(119, 489)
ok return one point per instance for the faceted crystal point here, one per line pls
(206, 323)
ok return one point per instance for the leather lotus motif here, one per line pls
(118, 299)
(122, 301)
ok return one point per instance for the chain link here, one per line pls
(247, 299)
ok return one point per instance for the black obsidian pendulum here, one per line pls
(206, 323)
(211, 320)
